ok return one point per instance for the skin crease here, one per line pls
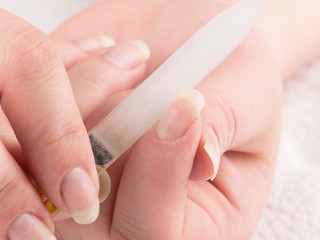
(243, 108)
(154, 192)
(35, 81)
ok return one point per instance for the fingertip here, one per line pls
(157, 172)
(93, 44)
(128, 55)
(180, 115)
(28, 227)
(142, 48)
(212, 150)
(207, 160)
(80, 196)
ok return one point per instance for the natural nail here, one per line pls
(29, 227)
(211, 147)
(105, 184)
(90, 44)
(180, 115)
(80, 196)
(128, 55)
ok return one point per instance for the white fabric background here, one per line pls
(293, 211)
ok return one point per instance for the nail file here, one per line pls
(182, 71)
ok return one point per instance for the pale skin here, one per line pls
(172, 200)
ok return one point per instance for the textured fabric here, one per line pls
(293, 210)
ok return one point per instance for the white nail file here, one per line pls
(183, 70)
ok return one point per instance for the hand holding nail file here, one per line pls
(183, 70)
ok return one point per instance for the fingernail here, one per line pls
(90, 44)
(80, 196)
(180, 116)
(105, 184)
(28, 226)
(128, 55)
(211, 147)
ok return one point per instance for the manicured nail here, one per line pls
(105, 184)
(91, 44)
(180, 115)
(29, 227)
(80, 196)
(104, 191)
(211, 147)
(128, 55)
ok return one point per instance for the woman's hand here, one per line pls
(45, 138)
(152, 196)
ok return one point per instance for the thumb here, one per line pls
(153, 189)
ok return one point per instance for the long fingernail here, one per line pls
(90, 44)
(105, 184)
(29, 227)
(180, 116)
(211, 147)
(128, 55)
(105, 188)
(80, 196)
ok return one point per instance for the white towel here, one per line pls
(293, 210)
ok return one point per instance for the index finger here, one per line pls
(37, 98)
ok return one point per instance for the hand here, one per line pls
(240, 124)
(47, 140)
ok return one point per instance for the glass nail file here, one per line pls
(182, 71)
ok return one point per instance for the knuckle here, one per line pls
(127, 225)
(226, 129)
(29, 53)
(64, 132)
(92, 82)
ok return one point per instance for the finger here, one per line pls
(37, 99)
(23, 215)
(153, 185)
(109, 78)
(8, 138)
(93, 79)
(243, 115)
(99, 76)
(115, 171)
(72, 51)
(240, 120)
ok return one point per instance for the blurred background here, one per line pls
(293, 210)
